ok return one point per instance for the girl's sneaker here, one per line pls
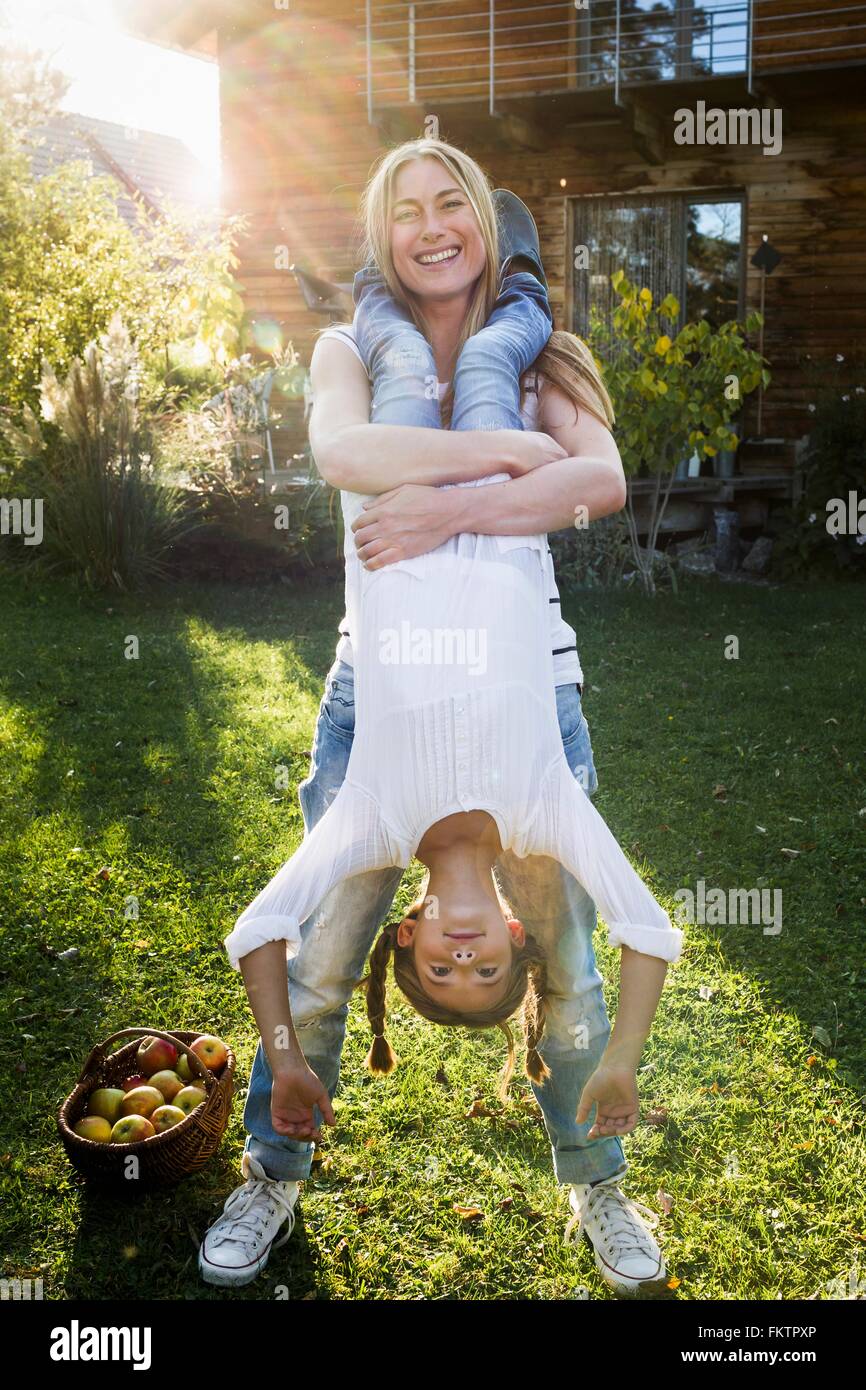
(518, 234)
(236, 1247)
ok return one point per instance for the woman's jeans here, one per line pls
(337, 938)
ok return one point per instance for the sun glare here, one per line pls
(115, 77)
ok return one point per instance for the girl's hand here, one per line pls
(614, 1090)
(527, 450)
(294, 1092)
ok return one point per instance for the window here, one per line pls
(686, 244)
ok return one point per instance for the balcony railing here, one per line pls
(438, 51)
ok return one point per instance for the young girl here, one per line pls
(457, 755)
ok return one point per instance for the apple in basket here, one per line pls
(188, 1099)
(210, 1050)
(105, 1102)
(166, 1081)
(166, 1117)
(93, 1127)
(154, 1054)
(131, 1128)
(142, 1101)
(183, 1068)
(132, 1081)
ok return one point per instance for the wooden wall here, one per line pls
(803, 33)
(298, 151)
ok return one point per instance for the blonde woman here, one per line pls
(426, 199)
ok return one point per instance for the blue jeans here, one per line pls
(402, 367)
(336, 939)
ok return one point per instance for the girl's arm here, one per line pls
(641, 979)
(264, 972)
(295, 1087)
(350, 838)
(351, 453)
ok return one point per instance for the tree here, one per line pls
(671, 396)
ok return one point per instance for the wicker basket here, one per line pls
(163, 1158)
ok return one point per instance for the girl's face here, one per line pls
(430, 215)
(465, 965)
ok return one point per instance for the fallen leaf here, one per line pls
(720, 791)
(477, 1108)
(665, 1201)
(469, 1213)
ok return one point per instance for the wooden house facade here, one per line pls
(579, 108)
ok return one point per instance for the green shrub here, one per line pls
(108, 516)
(833, 466)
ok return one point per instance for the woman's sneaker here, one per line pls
(626, 1253)
(236, 1247)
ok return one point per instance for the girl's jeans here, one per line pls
(336, 939)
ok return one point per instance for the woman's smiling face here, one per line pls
(430, 214)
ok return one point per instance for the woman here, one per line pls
(365, 842)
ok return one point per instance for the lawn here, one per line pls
(161, 769)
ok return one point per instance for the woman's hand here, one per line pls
(294, 1092)
(614, 1090)
(526, 450)
(406, 521)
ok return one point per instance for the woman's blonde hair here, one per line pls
(527, 991)
(566, 360)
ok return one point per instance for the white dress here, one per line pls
(455, 710)
(563, 639)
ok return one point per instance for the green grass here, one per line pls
(161, 769)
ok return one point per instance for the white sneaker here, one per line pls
(626, 1253)
(236, 1247)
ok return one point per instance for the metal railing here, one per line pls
(433, 51)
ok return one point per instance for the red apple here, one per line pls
(93, 1127)
(210, 1050)
(168, 1082)
(142, 1101)
(132, 1081)
(105, 1102)
(188, 1099)
(130, 1129)
(166, 1116)
(155, 1055)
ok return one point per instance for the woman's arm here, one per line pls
(408, 521)
(590, 478)
(351, 453)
